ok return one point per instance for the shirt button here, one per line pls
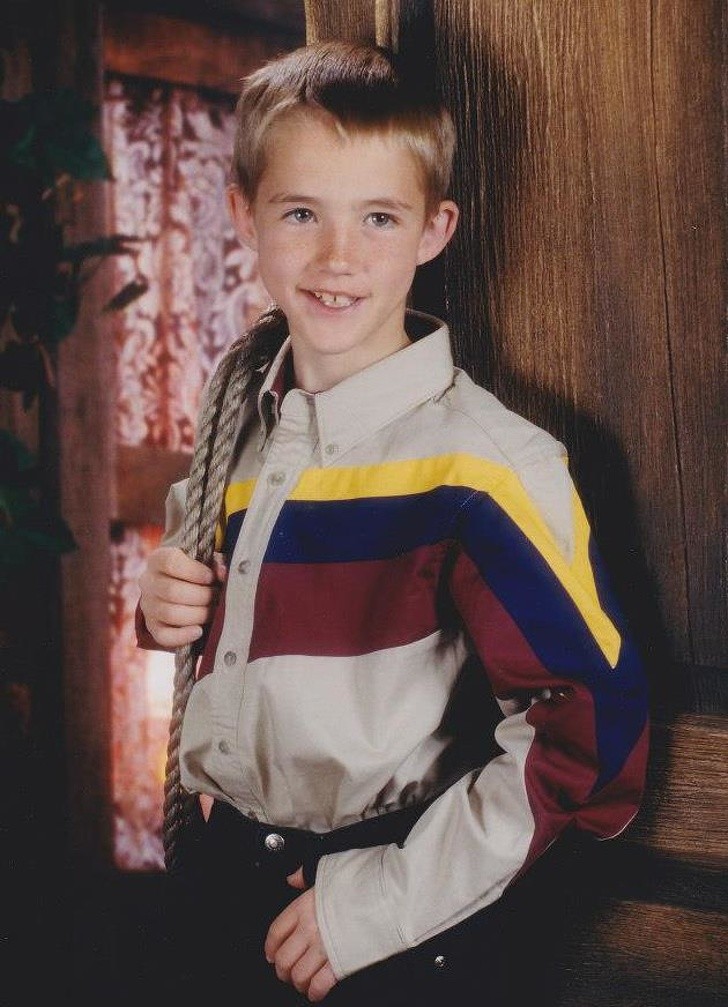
(274, 843)
(243, 566)
(230, 658)
(331, 449)
(224, 747)
(440, 961)
(276, 478)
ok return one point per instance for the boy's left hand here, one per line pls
(295, 947)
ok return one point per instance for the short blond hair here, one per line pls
(362, 90)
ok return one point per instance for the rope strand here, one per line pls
(211, 460)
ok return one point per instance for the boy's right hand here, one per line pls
(178, 596)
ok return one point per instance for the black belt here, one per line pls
(285, 848)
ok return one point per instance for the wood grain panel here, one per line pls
(687, 71)
(165, 48)
(555, 281)
(643, 936)
(636, 954)
(685, 813)
(354, 20)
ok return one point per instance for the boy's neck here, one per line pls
(319, 372)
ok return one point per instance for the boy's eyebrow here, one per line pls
(382, 201)
(388, 204)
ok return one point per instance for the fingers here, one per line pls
(283, 925)
(174, 563)
(180, 592)
(172, 637)
(178, 596)
(294, 946)
(293, 950)
(173, 625)
(305, 969)
(321, 984)
(304, 966)
(178, 615)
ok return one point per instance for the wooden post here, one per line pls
(76, 450)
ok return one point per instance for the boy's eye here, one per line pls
(381, 219)
(300, 214)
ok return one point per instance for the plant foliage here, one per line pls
(28, 531)
(48, 151)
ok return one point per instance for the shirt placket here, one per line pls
(291, 447)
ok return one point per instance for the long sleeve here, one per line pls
(527, 584)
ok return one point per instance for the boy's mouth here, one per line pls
(331, 300)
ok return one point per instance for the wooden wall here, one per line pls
(586, 286)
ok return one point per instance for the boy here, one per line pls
(392, 537)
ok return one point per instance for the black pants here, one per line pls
(232, 885)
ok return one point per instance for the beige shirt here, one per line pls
(410, 611)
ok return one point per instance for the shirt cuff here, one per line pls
(359, 929)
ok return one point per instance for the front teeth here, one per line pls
(334, 300)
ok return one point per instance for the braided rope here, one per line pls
(214, 446)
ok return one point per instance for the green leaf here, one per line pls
(20, 547)
(63, 317)
(52, 134)
(23, 153)
(128, 293)
(15, 459)
(48, 535)
(80, 156)
(21, 368)
(29, 528)
(114, 244)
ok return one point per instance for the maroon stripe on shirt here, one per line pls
(346, 609)
(208, 654)
(562, 762)
(507, 656)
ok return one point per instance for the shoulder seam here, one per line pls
(509, 459)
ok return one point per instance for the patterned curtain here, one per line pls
(170, 151)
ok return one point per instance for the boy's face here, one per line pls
(339, 225)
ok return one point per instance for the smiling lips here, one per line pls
(334, 300)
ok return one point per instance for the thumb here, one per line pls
(296, 880)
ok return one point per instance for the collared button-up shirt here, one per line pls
(414, 611)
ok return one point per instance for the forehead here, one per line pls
(309, 148)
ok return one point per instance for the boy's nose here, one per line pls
(338, 250)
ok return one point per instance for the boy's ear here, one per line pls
(241, 214)
(437, 231)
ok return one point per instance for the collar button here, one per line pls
(331, 449)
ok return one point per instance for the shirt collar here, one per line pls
(361, 404)
(277, 382)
